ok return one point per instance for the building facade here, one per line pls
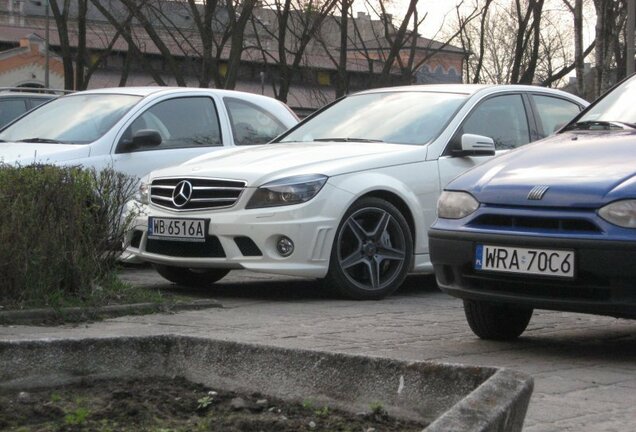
(112, 60)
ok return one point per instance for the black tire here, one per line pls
(496, 321)
(372, 251)
(190, 277)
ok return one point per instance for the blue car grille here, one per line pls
(555, 224)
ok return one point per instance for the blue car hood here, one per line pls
(580, 169)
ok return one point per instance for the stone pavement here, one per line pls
(584, 366)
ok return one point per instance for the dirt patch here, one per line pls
(163, 405)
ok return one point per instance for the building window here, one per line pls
(324, 79)
(223, 69)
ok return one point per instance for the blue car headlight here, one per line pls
(621, 213)
(287, 191)
(456, 205)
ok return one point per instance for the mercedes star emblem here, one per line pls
(182, 193)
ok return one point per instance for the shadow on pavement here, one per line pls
(244, 284)
(598, 343)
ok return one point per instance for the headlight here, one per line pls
(621, 213)
(143, 193)
(287, 191)
(456, 205)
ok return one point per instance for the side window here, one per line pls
(554, 112)
(36, 102)
(10, 109)
(502, 118)
(251, 124)
(181, 122)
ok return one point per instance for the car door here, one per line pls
(188, 126)
(504, 118)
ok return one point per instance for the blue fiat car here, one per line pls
(551, 225)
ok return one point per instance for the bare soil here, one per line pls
(175, 405)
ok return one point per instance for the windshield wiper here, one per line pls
(40, 140)
(600, 124)
(349, 139)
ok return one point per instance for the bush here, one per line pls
(61, 231)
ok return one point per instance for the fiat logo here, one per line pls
(537, 192)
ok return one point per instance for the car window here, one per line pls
(10, 109)
(181, 122)
(250, 123)
(615, 106)
(73, 119)
(554, 112)
(37, 101)
(502, 118)
(399, 117)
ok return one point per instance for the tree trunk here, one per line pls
(142, 17)
(60, 15)
(342, 80)
(579, 58)
(208, 69)
(126, 33)
(528, 75)
(610, 17)
(236, 45)
(482, 41)
(397, 43)
(81, 57)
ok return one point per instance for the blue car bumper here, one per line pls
(604, 282)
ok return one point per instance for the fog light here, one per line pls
(285, 246)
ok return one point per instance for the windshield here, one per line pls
(74, 119)
(615, 110)
(412, 117)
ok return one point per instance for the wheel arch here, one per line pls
(398, 202)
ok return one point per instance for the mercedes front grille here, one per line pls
(195, 193)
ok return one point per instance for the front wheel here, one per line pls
(372, 251)
(496, 321)
(190, 277)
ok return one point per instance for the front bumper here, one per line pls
(246, 239)
(604, 282)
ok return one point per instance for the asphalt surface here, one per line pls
(583, 365)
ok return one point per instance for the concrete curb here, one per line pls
(78, 314)
(447, 397)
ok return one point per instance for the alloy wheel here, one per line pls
(372, 248)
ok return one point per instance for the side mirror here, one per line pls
(476, 145)
(146, 138)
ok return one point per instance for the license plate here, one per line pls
(546, 262)
(176, 229)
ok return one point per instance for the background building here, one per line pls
(164, 43)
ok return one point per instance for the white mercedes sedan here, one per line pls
(346, 196)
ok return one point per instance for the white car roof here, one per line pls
(150, 90)
(471, 89)
(441, 88)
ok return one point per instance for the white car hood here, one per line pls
(266, 162)
(25, 153)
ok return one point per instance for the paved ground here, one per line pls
(584, 366)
